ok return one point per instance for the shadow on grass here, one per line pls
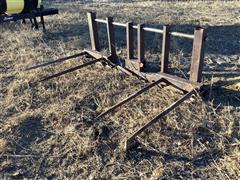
(220, 95)
(27, 132)
(204, 134)
(25, 136)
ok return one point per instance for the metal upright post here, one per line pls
(130, 48)
(42, 18)
(93, 31)
(197, 55)
(165, 49)
(141, 47)
(35, 23)
(111, 38)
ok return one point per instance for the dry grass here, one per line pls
(49, 131)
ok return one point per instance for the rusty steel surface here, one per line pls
(189, 86)
(197, 55)
(181, 83)
(129, 39)
(133, 66)
(93, 31)
(111, 38)
(165, 49)
(140, 45)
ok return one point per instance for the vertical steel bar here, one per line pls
(43, 23)
(141, 47)
(42, 18)
(130, 47)
(165, 49)
(111, 38)
(93, 31)
(197, 55)
(35, 23)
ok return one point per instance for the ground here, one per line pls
(49, 130)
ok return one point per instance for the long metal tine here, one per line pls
(129, 98)
(56, 61)
(69, 70)
(129, 143)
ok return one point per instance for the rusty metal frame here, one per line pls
(188, 86)
(134, 66)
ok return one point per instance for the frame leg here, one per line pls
(35, 23)
(32, 24)
(43, 23)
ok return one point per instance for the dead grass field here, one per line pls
(48, 130)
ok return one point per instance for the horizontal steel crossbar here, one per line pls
(148, 29)
(180, 83)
